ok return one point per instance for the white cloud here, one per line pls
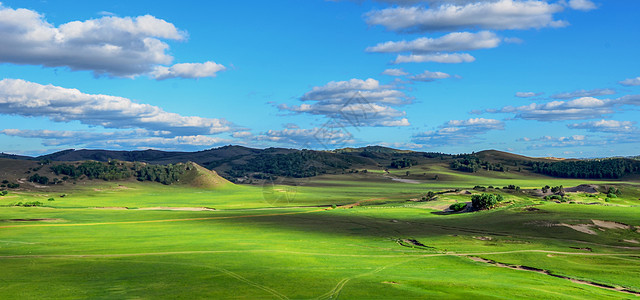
(188, 70)
(309, 138)
(394, 72)
(452, 42)
(631, 82)
(584, 5)
(610, 126)
(445, 58)
(500, 15)
(113, 46)
(562, 141)
(354, 102)
(19, 97)
(117, 139)
(578, 109)
(458, 131)
(527, 94)
(428, 76)
(584, 93)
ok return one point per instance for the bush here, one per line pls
(484, 201)
(458, 206)
(3, 193)
(13, 185)
(51, 199)
(611, 195)
(29, 204)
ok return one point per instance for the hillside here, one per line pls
(240, 164)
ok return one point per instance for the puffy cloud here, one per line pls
(610, 126)
(446, 58)
(354, 103)
(452, 42)
(114, 46)
(584, 93)
(394, 72)
(584, 5)
(578, 109)
(500, 15)
(527, 94)
(428, 76)
(327, 137)
(631, 82)
(458, 131)
(126, 139)
(188, 70)
(562, 141)
(19, 97)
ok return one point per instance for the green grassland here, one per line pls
(116, 240)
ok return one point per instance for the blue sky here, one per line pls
(534, 77)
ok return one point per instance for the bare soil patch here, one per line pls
(584, 228)
(610, 224)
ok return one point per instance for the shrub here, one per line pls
(611, 195)
(51, 199)
(484, 201)
(13, 185)
(3, 193)
(458, 206)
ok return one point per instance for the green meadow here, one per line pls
(351, 236)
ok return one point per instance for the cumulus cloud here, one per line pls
(126, 139)
(428, 76)
(578, 109)
(609, 126)
(445, 58)
(584, 93)
(562, 141)
(499, 15)
(188, 70)
(527, 94)
(113, 46)
(458, 131)
(394, 72)
(631, 82)
(24, 98)
(355, 102)
(328, 137)
(584, 5)
(452, 42)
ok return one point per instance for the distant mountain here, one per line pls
(243, 164)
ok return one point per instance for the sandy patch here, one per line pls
(583, 188)
(610, 225)
(178, 208)
(584, 228)
(632, 241)
(483, 238)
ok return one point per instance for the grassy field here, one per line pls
(142, 240)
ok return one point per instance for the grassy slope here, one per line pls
(251, 249)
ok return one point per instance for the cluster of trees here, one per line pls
(115, 170)
(402, 163)
(485, 201)
(472, 164)
(165, 174)
(605, 168)
(112, 170)
(38, 179)
(11, 185)
(298, 164)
